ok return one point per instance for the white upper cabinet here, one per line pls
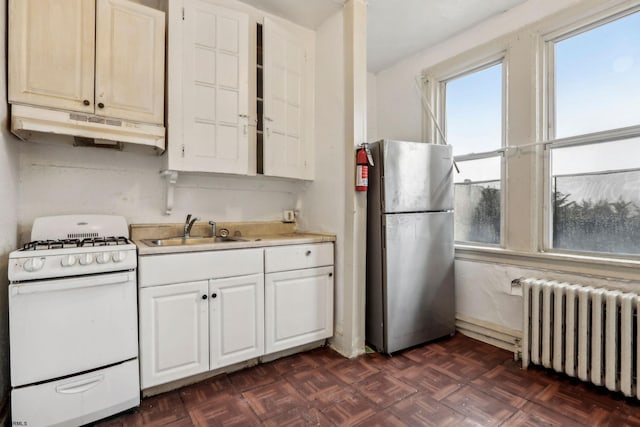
(103, 57)
(130, 46)
(51, 53)
(208, 117)
(288, 101)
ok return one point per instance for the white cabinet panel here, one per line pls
(236, 328)
(298, 307)
(49, 67)
(210, 132)
(174, 340)
(288, 102)
(191, 266)
(130, 76)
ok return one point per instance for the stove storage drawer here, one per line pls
(77, 400)
(66, 326)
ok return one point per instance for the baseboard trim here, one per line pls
(490, 333)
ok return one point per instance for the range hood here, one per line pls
(44, 125)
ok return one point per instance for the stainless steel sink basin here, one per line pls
(188, 241)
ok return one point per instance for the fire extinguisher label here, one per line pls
(362, 176)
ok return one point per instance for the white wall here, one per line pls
(322, 203)
(372, 108)
(62, 179)
(483, 278)
(8, 213)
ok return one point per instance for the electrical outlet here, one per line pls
(288, 215)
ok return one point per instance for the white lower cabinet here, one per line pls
(298, 295)
(174, 341)
(194, 327)
(298, 307)
(236, 314)
(228, 310)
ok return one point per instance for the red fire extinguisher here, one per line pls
(363, 160)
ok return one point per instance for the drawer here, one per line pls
(294, 257)
(192, 266)
(78, 400)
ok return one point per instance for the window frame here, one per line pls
(548, 122)
(437, 87)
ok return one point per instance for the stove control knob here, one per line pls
(33, 264)
(68, 261)
(103, 258)
(86, 259)
(119, 256)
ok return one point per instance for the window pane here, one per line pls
(597, 79)
(474, 111)
(596, 197)
(477, 201)
(478, 170)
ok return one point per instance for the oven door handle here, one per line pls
(71, 284)
(80, 386)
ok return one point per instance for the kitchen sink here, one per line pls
(188, 241)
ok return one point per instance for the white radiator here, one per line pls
(585, 332)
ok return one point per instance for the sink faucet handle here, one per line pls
(213, 228)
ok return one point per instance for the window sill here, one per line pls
(626, 269)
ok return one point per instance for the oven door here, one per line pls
(66, 326)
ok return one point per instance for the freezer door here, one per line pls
(417, 177)
(419, 282)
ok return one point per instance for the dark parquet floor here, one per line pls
(456, 381)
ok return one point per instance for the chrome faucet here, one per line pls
(188, 224)
(213, 228)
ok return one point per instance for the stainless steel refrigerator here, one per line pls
(410, 282)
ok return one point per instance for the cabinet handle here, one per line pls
(308, 253)
(100, 105)
(204, 297)
(213, 295)
(330, 274)
(86, 102)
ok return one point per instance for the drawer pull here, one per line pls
(308, 253)
(214, 295)
(204, 297)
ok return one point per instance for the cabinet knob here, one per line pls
(330, 274)
(100, 105)
(308, 253)
(86, 102)
(213, 295)
(204, 297)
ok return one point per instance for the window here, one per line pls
(594, 137)
(474, 126)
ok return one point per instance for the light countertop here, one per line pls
(254, 235)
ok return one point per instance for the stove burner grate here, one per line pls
(38, 245)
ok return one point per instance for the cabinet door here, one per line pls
(215, 86)
(288, 103)
(130, 46)
(298, 307)
(51, 53)
(236, 319)
(174, 341)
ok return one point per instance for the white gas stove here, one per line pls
(73, 328)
